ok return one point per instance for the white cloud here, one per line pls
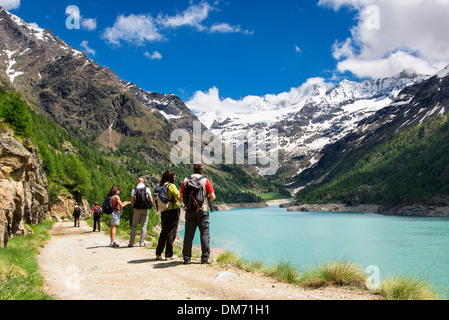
(193, 16)
(227, 28)
(136, 29)
(10, 4)
(389, 35)
(87, 49)
(153, 56)
(212, 103)
(297, 49)
(34, 24)
(78, 21)
(139, 29)
(89, 24)
(343, 49)
(385, 67)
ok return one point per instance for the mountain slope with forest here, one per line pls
(397, 157)
(84, 109)
(73, 166)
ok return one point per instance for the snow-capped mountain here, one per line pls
(77, 92)
(414, 105)
(308, 117)
(32, 47)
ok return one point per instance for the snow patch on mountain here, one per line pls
(42, 36)
(443, 73)
(308, 117)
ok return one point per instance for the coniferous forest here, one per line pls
(74, 164)
(410, 168)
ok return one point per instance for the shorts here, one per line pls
(115, 219)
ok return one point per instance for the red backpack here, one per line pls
(97, 211)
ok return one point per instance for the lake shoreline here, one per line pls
(404, 210)
(249, 205)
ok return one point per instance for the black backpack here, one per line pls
(77, 211)
(141, 201)
(107, 206)
(193, 196)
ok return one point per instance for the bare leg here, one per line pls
(113, 230)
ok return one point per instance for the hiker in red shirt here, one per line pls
(96, 213)
(197, 207)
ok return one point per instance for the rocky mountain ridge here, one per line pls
(412, 123)
(311, 116)
(79, 93)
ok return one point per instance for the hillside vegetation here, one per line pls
(77, 165)
(410, 168)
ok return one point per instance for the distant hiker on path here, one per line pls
(96, 212)
(197, 192)
(118, 205)
(77, 215)
(169, 217)
(142, 202)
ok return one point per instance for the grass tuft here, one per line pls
(340, 273)
(405, 287)
(285, 271)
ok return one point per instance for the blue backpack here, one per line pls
(161, 198)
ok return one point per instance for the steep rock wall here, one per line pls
(23, 195)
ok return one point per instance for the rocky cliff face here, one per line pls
(23, 197)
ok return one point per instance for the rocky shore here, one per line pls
(405, 210)
(231, 206)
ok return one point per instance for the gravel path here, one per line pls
(78, 264)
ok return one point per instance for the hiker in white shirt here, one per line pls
(142, 200)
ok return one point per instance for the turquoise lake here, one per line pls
(396, 245)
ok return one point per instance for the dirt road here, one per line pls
(78, 264)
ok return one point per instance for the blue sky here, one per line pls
(244, 47)
(260, 59)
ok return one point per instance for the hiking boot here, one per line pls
(159, 258)
(187, 261)
(205, 261)
(115, 245)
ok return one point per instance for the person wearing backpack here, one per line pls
(142, 201)
(96, 212)
(117, 205)
(77, 214)
(169, 216)
(197, 192)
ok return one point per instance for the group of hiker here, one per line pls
(196, 193)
